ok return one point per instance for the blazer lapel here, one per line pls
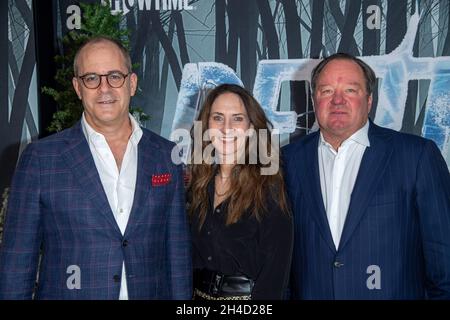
(79, 158)
(310, 178)
(373, 164)
(147, 163)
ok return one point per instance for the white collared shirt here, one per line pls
(338, 171)
(120, 185)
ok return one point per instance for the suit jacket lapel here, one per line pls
(79, 158)
(373, 164)
(147, 162)
(310, 178)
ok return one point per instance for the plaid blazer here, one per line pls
(58, 206)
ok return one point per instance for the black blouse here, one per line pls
(260, 250)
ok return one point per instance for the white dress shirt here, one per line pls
(120, 185)
(338, 171)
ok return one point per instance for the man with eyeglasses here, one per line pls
(102, 201)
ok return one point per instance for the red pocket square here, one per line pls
(161, 179)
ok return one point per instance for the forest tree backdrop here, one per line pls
(168, 35)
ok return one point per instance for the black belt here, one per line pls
(217, 284)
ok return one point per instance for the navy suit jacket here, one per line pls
(57, 204)
(397, 228)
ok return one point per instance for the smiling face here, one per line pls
(341, 101)
(104, 106)
(228, 123)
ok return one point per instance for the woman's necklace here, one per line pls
(215, 189)
(220, 194)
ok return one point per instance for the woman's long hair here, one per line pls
(248, 188)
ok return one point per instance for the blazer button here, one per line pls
(338, 264)
(124, 243)
(116, 278)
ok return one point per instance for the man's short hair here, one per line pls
(100, 39)
(368, 73)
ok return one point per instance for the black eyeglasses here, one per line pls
(115, 79)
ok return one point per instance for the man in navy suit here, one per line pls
(371, 205)
(102, 201)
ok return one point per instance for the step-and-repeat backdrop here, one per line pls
(184, 48)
